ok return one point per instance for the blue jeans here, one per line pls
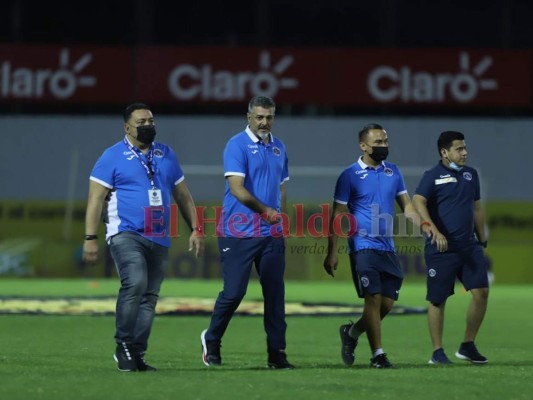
(237, 257)
(141, 266)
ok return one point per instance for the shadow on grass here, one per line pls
(358, 367)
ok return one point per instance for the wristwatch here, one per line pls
(90, 237)
(484, 244)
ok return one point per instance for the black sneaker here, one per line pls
(468, 351)
(277, 359)
(124, 356)
(380, 361)
(210, 351)
(348, 345)
(141, 363)
(439, 357)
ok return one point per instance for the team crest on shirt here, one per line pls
(467, 176)
(158, 153)
(432, 273)
(388, 172)
(365, 281)
(276, 151)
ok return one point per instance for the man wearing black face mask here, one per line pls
(366, 191)
(136, 180)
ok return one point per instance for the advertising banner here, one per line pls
(444, 78)
(74, 74)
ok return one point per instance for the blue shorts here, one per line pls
(469, 265)
(376, 271)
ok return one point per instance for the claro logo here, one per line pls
(61, 82)
(386, 83)
(188, 81)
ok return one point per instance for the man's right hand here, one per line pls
(330, 264)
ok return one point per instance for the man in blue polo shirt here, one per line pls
(448, 200)
(251, 232)
(136, 180)
(366, 192)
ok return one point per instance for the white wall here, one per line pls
(37, 150)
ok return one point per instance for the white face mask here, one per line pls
(453, 165)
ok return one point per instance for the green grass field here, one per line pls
(70, 357)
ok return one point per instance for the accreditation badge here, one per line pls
(154, 195)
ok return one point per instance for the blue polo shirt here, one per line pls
(120, 171)
(264, 168)
(370, 194)
(450, 199)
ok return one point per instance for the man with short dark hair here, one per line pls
(448, 200)
(251, 232)
(366, 191)
(136, 179)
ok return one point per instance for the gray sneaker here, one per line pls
(348, 344)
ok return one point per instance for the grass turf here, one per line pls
(70, 357)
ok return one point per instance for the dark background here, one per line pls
(503, 24)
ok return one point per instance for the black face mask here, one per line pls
(379, 153)
(146, 134)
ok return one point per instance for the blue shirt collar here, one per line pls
(363, 165)
(254, 138)
(448, 169)
(136, 148)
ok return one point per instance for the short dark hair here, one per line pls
(261, 101)
(363, 132)
(133, 107)
(446, 139)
